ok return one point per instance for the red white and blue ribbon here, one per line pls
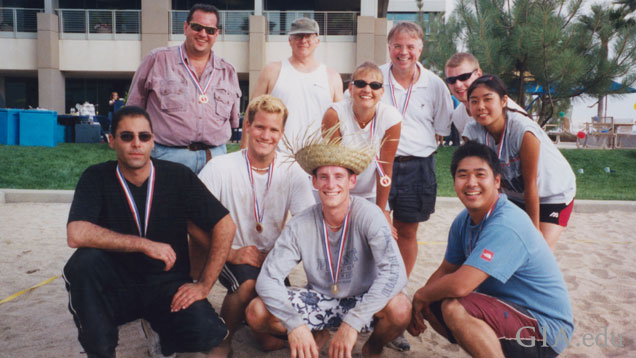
(131, 199)
(343, 237)
(258, 211)
(385, 181)
(407, 98)
(503, 136)
(193, 76)
(481, 226)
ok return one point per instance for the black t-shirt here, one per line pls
(179, 196)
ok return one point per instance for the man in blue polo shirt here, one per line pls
(499, 291)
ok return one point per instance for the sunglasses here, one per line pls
(362, 84)
(198, 27)
(130, 136)
(463, 77)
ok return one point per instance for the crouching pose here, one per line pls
(354, 269)
(499, 291)
(129, 220)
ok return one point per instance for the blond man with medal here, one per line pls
(129, 222)
(260, 189)
(353, 266)
(362, 117)
(192, 95)
(498, 291)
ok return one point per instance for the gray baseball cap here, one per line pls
(304, 25)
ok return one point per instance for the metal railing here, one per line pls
(231, 22)
(331, 23)
(100, 24)
(19, 22)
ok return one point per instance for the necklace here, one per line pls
(334, 228)
(259, 169)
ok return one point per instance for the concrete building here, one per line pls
(56, 53)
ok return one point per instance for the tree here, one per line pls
(542, 42)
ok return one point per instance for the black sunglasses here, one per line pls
(463, 77)
(362, 84)
(129, 136)
(198, 27)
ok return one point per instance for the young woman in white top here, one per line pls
(362, 117)
(535, 175)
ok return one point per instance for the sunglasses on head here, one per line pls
(196, 27)
(129, 136)
(362, 84)
(462, 77)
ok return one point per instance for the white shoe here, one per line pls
(152, 338)
(400, 344)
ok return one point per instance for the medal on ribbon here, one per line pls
(407, 99)
(258, 211)
(343, 236)
(385, 180)
(143, 230)
(203, 97)
(503, 136)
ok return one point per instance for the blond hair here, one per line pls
(409, 27)
(367, 67)
(460, 58)
(266, 103)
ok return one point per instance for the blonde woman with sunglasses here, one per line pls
(362, 117)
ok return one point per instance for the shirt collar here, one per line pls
(212, 61)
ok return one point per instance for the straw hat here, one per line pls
(320, 149)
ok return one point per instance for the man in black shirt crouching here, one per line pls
(129, 220)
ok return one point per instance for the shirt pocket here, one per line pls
(223, 100)
(171, 95)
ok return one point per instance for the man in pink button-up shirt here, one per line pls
(191, 94)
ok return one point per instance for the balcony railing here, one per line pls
(100, 24)
(18, 22)
(233, 24)
(331, 23)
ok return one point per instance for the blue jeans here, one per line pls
(195, 160)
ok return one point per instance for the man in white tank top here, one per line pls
(306, 86)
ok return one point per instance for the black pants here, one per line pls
(103, 295)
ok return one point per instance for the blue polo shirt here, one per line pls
(522, 269)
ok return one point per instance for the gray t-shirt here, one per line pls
(371, 264)
(555, 179)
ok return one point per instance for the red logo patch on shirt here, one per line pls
(487, 255)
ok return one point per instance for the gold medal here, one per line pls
(334, 288)
(259, 227)
(385, 181)
(203, 99)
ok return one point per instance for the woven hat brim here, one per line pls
(318, 155)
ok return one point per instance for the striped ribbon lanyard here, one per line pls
(131, 199)
(203, 98)
(481, 226)
(503, 137)
(385, 181)
(408, 92)
(343, 236)
(258, 211)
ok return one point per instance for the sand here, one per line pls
(597, 254)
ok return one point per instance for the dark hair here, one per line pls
(474, 149)
(128, 111)
(204, 8)
(493, 83)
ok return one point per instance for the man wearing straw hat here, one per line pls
(306, 86)
(259, 189)
(353, 265)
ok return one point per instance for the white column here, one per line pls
(50, 6)
(369, 8)
(258, 7)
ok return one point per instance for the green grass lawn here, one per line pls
(61, 166)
